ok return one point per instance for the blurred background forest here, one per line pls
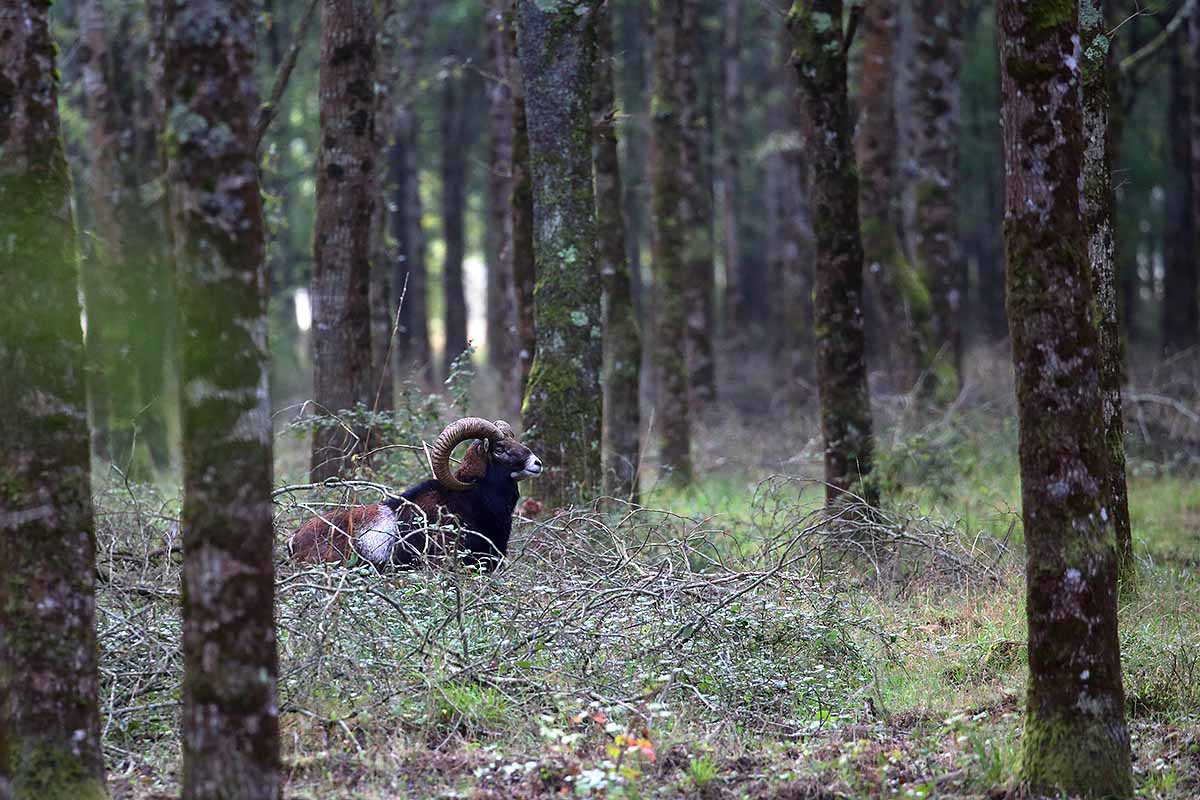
(752, 159)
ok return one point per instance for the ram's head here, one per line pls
(495, 444)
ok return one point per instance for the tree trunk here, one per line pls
(820, 61)
(126, 289)
(49, 720)
(230, 707)
(454, 193)
(730, 142)
(696, 211)
(412, 352)
(1181, 272)
(900, 299)
(563, 400)
(621, 439)
(937, 40)
(1194, 32)
(668, 257)
(1097, 207)
(501, 294)
(1075, 736)
(381, 382)
(342, 239)
(522, 222)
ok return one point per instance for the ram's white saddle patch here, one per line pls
(377, 537)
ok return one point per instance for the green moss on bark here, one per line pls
(48, 673)
(1076, 740)
(562, 407)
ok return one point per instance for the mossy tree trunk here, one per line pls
(412, 351)
(696, 209)
(668, 255)
(49, 722)
(820, 61)
(501, 293)
(346, 187)
(1075, 737)
(901, 301)
(1098, 209)
(562, 411)
(452, 124)
(733, 109)
(1181, 268)
(621, 439)
(934, 94)
(127, 290)
(230, 707)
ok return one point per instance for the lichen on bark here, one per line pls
(820, 61)
(49, 683)
(562, 408)
(1075, 737)
(1097, 206)
(230, 724)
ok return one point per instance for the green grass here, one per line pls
(618, 657)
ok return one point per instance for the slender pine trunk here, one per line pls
(346, 185)
(454, 161)
(381, 381)
(1181, 268)
(621, 437)
(524, 276)
(1075, 738)
(696, 210)
(501, 294)
(49, 684)
(901, 302)
(820, 61)
(668, 257)
(934, 94)
(730, 165)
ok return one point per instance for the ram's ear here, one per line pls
(487, 445)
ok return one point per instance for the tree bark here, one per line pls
(556, 43)
(937, 60)
(1181, 272)
(901, 300)
(820, 61)
(668, 257)
(126, 289)
(1075, 737)
(1097, 207)
(413, 353)
(729, 156)
(381, 383)
(522, 222)
(696, 211)
(621, 437)
(501, 293)
(49, 719)
(230, 707)
(342, 240)
(1194, 32)
(454, 199)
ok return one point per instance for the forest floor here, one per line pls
(721, 642)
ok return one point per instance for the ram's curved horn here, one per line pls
(451, 436)
(505, 429)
